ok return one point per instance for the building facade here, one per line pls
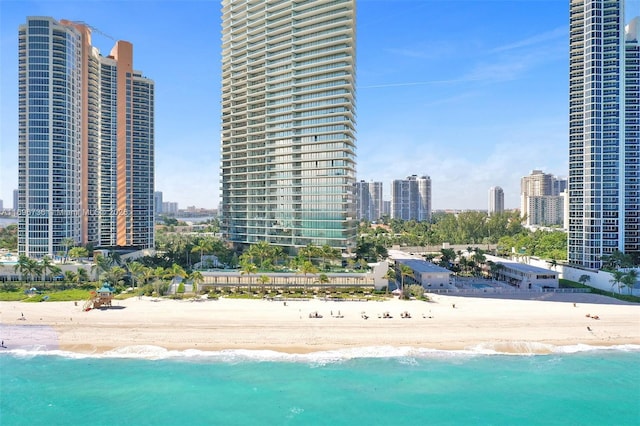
(540, 200)
(86, 132)
(157, 202)
(604, 122)
(496, 200)
(545, 210)
(369, 202)
(288, 123)
(411, 198)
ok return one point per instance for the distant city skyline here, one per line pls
(473, 94)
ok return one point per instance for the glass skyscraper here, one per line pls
(86, 132)
(288, 122)
(604, 127)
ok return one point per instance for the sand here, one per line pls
(504, 325)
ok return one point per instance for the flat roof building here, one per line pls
(85, 144)
(426, 274)
(288, 123)
(604, 141)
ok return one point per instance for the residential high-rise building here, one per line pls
(288, 122)
(545, 210)
(496, 200)
(16, 194)
(170, 208)
(604, 118)
(369, 202)
(540, 201)
(157, 202)
(86, 132)
(411, 198)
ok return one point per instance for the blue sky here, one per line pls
(472, 93)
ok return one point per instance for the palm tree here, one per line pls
(248, 268)
(330, 253)
(70, 276)
(307, 268)
(390, 275)
(261, 250)
(55, 271)
(309, 251)
(114, 275)
(204, 245)
(159, 274)
(101, 264)
(22, 266)
(405, 271)
(77, 253)
(66, 243)
(82, 275)
(135, 271)
(196, 278)
(46, 264)
(584, 279)
(629, 279)
(263, 280)
(322, 279)
(616, 279)
(147, 275)
(495, 269)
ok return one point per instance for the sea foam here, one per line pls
(404, 354)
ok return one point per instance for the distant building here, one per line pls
(604, 137)
(411, 198)
(170, 208)
(386, 208)
(369, 203)
(545, 210)
(157, 202)
(540, 201)
(496, 200)
(559, 185)
(15, 200)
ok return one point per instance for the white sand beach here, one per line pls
(506, 325)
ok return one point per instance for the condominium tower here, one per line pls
(85, 166)
(604, 123)
(540, 201)
(288, 122)
(411, 198)
(369, 202)
(496, 200)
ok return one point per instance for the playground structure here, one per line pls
(100, 298)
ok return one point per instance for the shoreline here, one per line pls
(448, 323)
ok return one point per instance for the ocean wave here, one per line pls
(404, 354)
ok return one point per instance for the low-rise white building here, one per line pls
(524, 276)
(426, 274)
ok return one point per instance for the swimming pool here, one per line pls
(480, 285)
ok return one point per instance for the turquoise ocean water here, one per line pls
(373, 386)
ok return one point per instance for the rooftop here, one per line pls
(421, 266)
